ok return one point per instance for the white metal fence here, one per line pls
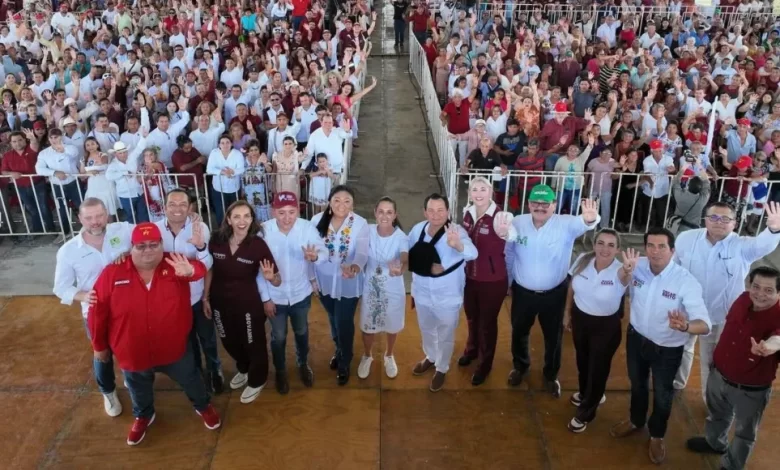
(31, 205)
(418, 65)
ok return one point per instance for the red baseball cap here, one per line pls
(145, 232)
(744, 162)
(656, 144)
(39, 125)
(561, 108)
(283, 199)
(743, 122)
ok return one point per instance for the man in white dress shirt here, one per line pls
(165, 135)
(295, 243)
(330, 141)
(283, 129)
(538, 254)
(60, 163)
(666, 308)
(439, 250)
(123, 171)
(720, 260)
(182, 234)
(79, 263)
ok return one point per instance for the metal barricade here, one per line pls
(630, 210)
(418, 65)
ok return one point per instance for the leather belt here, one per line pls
(747, 388)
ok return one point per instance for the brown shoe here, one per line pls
(623, 429)
(657, 450)
(437, 382)
(422, 367)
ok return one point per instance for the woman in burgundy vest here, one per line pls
(486, 280)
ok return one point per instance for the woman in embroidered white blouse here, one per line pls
(339, 281)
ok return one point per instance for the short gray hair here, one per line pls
(92, 202)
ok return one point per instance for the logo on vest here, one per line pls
(245, 261)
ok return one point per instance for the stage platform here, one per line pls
(53, 413)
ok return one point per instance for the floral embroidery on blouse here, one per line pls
(344, 240)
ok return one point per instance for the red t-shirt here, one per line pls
(689, 137)
(300, 7)
(458, 117)
(627, 36)
(732, 356)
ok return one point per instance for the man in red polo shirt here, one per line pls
(419, 19)
(143, 316)
(19, 161)
(745, 365)
(560, 132)
(456, 116)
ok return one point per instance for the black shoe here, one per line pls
(700, 445)
(464, 360)
(334, 362)
(217, 383)
(516, 377)
(477, 379)
(282, 386)
(554, 387)
(307, 375)
(342, 377)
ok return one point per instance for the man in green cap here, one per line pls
(538, 253)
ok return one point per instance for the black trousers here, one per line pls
(655, 213)
(548, 305)
(243, 336)
(596, 339)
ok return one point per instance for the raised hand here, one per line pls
(590, 210)
(348, 271)
(310, 253)
(197, 238)
(268, 270)
(760, 349)
(453, 238)
(180, 264)
(395, 267)
(773, 216)
(502, 221)
(630, 260)
(677, 320)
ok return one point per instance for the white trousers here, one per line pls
(706, 350)
(437, 327)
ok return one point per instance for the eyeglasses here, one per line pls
(540, 205)
(720, 219)
(147, 246)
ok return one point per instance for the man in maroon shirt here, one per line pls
(560, 132)
(456, 116)
(745, 365)
(19, 161)
(419, 20)
(142, 315)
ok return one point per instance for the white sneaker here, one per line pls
(391, 368)
(112, 404)
(365, 366)
(250, 393)
(238, 381)
(576, 399)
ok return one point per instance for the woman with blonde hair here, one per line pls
(593, 314)
(486, 280)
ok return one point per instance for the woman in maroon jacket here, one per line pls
(486, 280)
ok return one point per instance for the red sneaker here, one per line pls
(138, 431)
(210, 417)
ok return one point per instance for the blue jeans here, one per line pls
(341, 313)
(299, 319)
(421, 36)
(644, 357)
(103, 371)
(204, 336)
(399, 26)
(569, 201)
(183, 372)
(221, 201)
(64, 194)
(34, 197)
(135, 209)
(296, 21)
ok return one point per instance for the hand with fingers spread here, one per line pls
(268, 270)
(630, 260)
(760, 349)
(678, 320)
(310, 253)
(453, 238)
(181, 265)
(589, 210)
(197, 239)
(502, 222)
(773, 216)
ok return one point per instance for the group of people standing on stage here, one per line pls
(229, 284)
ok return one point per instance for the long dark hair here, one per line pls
(226, 231)
(390, 200)
(324, 223)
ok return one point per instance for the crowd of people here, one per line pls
(228, 100)
(655, 110)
